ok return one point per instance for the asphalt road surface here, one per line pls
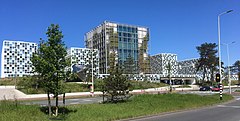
(207, 92)
(67, 101)
(222, 112)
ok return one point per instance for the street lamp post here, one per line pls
(219, 50)
(92, 72)
(229, 80)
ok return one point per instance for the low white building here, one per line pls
(160, 62)
(15, 60)
(81, 58)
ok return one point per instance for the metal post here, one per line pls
(15, 69)
(219, 56)
(219, 50)
(92, 91)
(229, 79)
(170, 82)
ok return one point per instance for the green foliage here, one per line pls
(237, 91)
(234, 82)
(9, 81)
(51, 62)
(29, 88)
(208, 83)
(74, 87)
(145, 85)
(99, 85)
(73, 77)
(140, 105)
(208, 59)
(116, 86)
(237, 69)
(68, 88)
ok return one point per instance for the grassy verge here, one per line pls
(70, 87)
(146, 84)
(75, 87)
(184, 86)
(237, 91)
(8, 81)
(138, 106)
(12, 111)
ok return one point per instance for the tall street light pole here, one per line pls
(92, 72)
(219, 50)
(229, 80)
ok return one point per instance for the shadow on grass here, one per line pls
(63, 112)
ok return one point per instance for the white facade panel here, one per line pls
(16, 58)
(83, 58)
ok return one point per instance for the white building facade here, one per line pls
(81, 58)
(161, 62)
(15, 60)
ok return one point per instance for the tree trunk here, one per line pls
(49, 104)
(64, 103)
(212, 75)
(238, 77)
(103, 96)
(56, 110)
(56, 106)
(204, 74)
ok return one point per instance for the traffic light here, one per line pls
(217, 77)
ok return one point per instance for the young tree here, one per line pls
(50, 62)
(208, 59)
(237, 69)
(116, 85)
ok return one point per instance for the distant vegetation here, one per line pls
(29, 85)
(8, 81)
(237, 91)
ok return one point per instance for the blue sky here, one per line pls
(176, 26)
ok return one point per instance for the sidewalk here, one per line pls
(10, 93)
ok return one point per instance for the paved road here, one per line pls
(67, 101)
(225, 112)
(207, 92)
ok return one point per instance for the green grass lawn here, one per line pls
(139, 105)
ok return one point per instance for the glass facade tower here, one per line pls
(122, 44)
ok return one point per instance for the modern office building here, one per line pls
(160, 63)
(81, 59)
(16, 58)
(117, 43)
(188, 66)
